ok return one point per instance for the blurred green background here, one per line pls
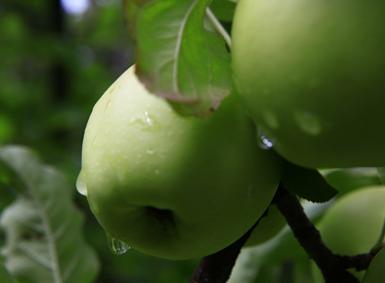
(57, 59)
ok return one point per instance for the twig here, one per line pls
(331, 265)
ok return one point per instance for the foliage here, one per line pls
(42, 226)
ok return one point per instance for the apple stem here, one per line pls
(216, 268)
(332, 266)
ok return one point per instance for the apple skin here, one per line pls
(353, 224)
(269, 226)
(171, 186)
(312, 76)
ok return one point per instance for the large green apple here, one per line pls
(312, 75)
(171, 186)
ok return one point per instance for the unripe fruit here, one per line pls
(312, 76)
(171, 186)
(353, 224)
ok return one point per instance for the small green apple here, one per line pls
(353, 224)
(312, 76)
(171, 186)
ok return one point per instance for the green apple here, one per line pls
(354, 223)
(267, 228)
(312, 76)
(171, 186)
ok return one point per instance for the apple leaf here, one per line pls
(348, 179)
(43, 228)
(223, 9)
(306, 183)
(180, 56)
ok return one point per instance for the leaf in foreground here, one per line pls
(43, 228)
(179, 55)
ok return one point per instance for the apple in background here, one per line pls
(353, 224)
(312, 76)
(171, 186)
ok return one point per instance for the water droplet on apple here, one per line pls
(117, 247)
(308, 122)
(264, 141)
(150, 152)
(147, 119)
(81, 186)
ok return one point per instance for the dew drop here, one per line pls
(81, 186)
(117, 247)
(264, 141)
(147, 119)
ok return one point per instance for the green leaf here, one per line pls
(376, 270)
(179, 55)
(223, 9)
(348, 179)
(306, 183)
(43, 229)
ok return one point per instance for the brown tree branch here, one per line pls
(333, 267)
(217, 268)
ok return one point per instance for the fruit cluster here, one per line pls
(183, 187)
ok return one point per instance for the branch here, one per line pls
(331, 265)
(216, 268)
(359, 262)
